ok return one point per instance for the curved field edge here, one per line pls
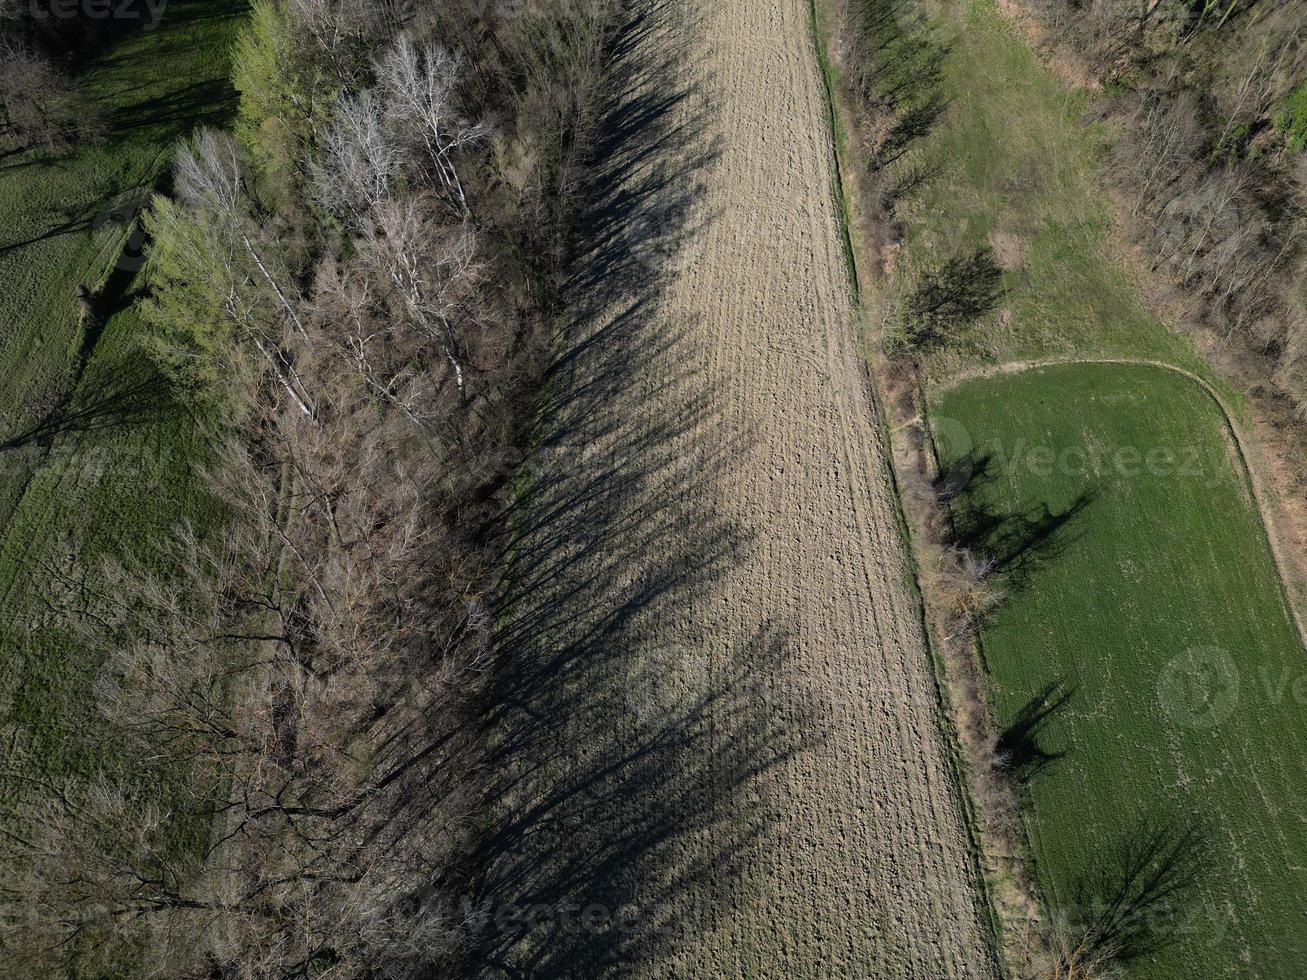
(1006, 860)
(846, 199)
(1265, 510)
(1181, 667)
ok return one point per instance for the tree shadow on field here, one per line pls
(622, 767)
(1015, 542)
(203, 103)
(133, 395)
(1020, 741)
(901, 76)
(66, 219)
(965, 474)
(1139, 897)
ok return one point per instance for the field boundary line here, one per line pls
(1265, 511)
(846, 190)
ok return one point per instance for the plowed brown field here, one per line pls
(718, 748)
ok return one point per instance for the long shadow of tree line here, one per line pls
(618, 819)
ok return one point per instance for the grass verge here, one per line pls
(1014, 162)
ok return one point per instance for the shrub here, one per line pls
(39, 103)
(1291, 119)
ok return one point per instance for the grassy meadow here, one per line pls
(67, 216)
(98, 452)
(1144, 667)
(1145, 602)
(1014, 162)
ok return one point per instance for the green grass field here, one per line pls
(66, 216)
(113, 473)
(1158, 585)
(1014, 162)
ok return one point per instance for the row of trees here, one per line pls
(341, 292)
(1217, 187)
(891, 68)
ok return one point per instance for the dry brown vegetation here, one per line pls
(38, 105)
(699, 701)
(723, 730)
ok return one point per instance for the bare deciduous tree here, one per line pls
(38, 103)
(419, 89)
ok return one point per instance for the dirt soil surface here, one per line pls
(716, 747)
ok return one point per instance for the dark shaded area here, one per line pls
(67, 220)
(898, 75)
(135, 395)
(152, 121)
(203, 103)
(77, 32)
(1018, 543)
(1014, 543)
(1020, 742)
(619, 802)
(962, 475)
(961, 290)
(1138, 898)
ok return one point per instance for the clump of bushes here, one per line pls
(39, 107)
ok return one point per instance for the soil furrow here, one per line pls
(720, 753)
